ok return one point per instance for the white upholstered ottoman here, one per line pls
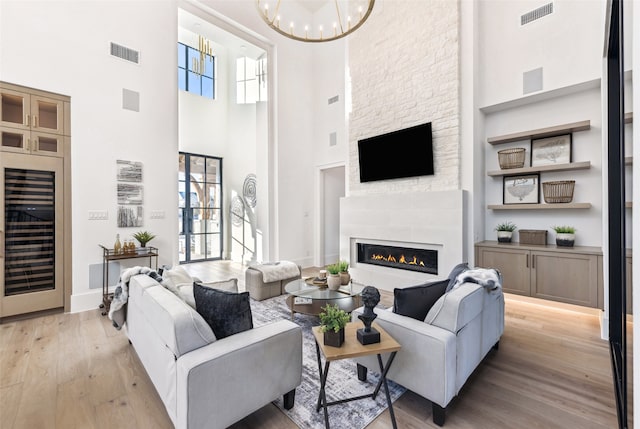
(267, 280)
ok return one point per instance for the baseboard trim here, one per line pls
(86, 301)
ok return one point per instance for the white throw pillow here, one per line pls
(174, 277)
(186, 289)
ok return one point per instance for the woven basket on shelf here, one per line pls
(558, 192)
(511, 158)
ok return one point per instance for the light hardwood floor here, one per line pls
(75, 371)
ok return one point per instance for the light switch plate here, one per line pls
(98, 215)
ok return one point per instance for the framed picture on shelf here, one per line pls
(524, 189)
(551, 150)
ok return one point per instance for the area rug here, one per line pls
(342, 381)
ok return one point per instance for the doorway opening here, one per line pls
(332, 188)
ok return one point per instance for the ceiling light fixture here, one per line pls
(340, 17)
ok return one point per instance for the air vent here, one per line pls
(125, 53)
(536, 14)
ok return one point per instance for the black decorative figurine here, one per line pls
(371, 298)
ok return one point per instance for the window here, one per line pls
(251, 80)
(189, 79)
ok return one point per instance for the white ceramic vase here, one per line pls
(333, 281)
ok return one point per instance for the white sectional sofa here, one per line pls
(439, 354)
(204, 382)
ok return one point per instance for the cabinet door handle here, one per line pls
(533, 262)
(27, 118)
(527, 263)
(35, 121)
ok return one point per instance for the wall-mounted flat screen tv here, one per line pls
(398, 154)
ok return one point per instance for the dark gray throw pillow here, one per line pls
(226, 312)
(460, 268)
(416, 301)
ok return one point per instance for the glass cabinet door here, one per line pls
(14, 109)
(31, 218)
(46, 115)
(14, 140)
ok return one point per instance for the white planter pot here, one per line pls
(565, 239)
(504, 236)
(333, 281)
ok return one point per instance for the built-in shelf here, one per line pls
(628, 204)
(541, 168)
(557, 206)
(540, 133)
(628, 117)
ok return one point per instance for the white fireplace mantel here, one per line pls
(427, 219)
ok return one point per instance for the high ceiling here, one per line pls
(201, 27)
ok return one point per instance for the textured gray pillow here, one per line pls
(226, 312)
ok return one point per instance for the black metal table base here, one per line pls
(322, 397)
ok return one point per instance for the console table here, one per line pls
(109, 255)
(351, 348)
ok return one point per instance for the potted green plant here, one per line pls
(345, 277)
(505, 231)
(143, 238)
(333, 279)
(332, 323)
(565, 235)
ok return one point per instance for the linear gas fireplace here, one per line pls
(404, 258)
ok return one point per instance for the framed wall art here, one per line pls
(551, 150)
(524, 189)
(129, 171)
(130, 195)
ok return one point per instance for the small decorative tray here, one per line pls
(316, 281)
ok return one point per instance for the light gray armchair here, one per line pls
(439, 354)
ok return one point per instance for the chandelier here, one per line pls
(314, 20)
(205, 55)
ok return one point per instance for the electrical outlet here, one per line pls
(156, 214)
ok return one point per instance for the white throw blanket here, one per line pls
(117, 310)
(275, 271)
(489, 278)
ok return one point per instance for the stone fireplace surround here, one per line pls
(427, 220)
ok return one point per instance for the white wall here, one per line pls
(333, 189)
(202, 122)
(64, 47)
(567, 44)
